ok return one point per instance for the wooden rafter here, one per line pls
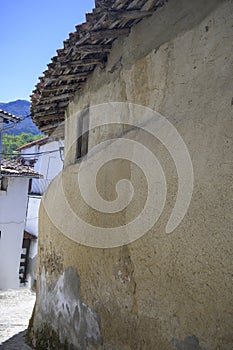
(47, 106)
(109, 33)
(64, 87)
(68, 76)
(128, 14)
(56, 98)
(59, 113)
(53, 116)
(84, 49)
(89, 48)
(82, 63)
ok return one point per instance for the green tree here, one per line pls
(11, 142)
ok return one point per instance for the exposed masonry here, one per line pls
(61, 307)
(189, 343)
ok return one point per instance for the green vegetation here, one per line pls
(11, 142)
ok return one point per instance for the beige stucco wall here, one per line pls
(161, 291)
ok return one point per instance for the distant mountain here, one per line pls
(20, 108)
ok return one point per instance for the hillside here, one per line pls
(11, 142)
(20, 108)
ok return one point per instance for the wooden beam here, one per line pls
(109, 33)
(128, 14)
(65, 96)
(50, 113)
(89, 48)
(67, 77)
(82, 40)
(59, 71)
(58, 111)
(152, 3)
(51, 117)
(64, 87)
(82, 63)
(47, 106)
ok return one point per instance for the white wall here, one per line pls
(29, 150)
(32, 227)
(32, 214)
(13, 207)
(48, 165)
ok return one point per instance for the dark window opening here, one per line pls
(30, 186)
(83, 133)
(3, 184)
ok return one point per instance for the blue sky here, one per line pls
(30, 34)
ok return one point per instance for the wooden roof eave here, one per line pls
(85, 48)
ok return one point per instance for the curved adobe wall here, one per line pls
(161, 291)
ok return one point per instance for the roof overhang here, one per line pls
(85, 49)
(2, 174)
(41, 141)
(8, 117)
(11, 168)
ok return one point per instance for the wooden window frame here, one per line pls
(83, 137)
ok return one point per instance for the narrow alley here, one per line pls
(15, 308)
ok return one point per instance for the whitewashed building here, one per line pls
(14, 181)
(46, 155)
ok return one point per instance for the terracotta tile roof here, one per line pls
(8, 117)
(85, 48)
(11, 167)
(33, 143)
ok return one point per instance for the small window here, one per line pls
(83, 124)
(3, 184)
(30, 186)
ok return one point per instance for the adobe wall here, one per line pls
(162, 291)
